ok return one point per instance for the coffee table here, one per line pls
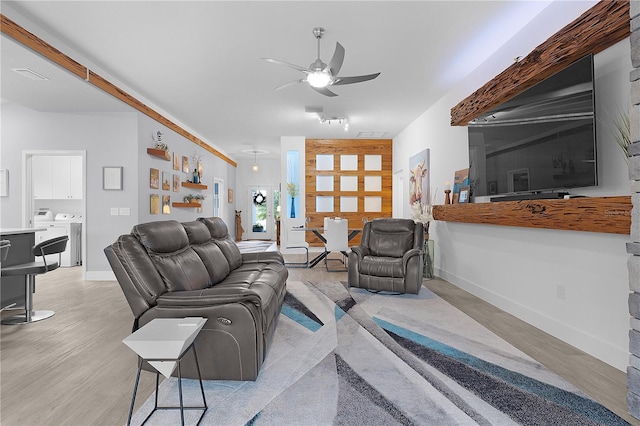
(162, 343)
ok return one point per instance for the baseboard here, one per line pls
(592, 345)
(100, 276)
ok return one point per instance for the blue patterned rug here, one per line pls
(355, 358)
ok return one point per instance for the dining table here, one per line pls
(319, 232)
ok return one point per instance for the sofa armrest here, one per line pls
(263, 257)
(208, 297)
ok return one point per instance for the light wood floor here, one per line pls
(73, 368)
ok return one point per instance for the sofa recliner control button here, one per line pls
(224, 321)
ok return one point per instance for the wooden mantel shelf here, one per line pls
(594, 214)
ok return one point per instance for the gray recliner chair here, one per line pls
(389, 257)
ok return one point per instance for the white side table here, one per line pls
(162, 343)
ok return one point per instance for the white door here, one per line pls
(261, 224)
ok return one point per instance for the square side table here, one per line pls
(163, 342)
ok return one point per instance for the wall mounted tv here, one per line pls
(540, 142)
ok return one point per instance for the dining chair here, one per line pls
(336, 234)
(296, 241)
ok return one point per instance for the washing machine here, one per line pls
(69, 224)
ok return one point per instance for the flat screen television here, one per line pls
(541, 141)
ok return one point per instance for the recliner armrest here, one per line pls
(208, 297)
(408, 255)
(360, 251)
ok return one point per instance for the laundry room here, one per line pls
(58, 203)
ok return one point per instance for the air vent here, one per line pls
(30, 74)
(372, 134)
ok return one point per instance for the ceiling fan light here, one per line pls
(319, 79)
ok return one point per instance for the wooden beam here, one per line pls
(594, 214)
(602, 26)
(33, 42)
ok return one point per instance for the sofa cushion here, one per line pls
(168, 247)
(220, 234)
(208, 251)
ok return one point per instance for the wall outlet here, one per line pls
(114, 211)
(125, 211)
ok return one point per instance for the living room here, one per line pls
(576, 283)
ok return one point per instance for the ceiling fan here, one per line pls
(320, 75)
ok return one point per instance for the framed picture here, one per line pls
(460, 182)
(112, 178)
(463, 196)
(154, 204)
(185, 164)
(176, 161)
(230, 196)
(492, 187)
(166, 181)
(176, 183)
(154, 178)
(200, 170)
(166, 206)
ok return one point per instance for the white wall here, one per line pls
(110, 140)
(213, 167)
(525, 271)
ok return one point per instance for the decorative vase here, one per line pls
(293, 208)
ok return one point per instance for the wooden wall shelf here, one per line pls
(160, 153)
(188, 205)
(194, 185)
(594, 214)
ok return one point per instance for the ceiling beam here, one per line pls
(38, 45)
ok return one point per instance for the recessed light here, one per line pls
(30, 74)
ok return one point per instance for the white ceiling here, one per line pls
(200, 63)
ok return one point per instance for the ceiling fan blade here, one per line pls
(291, 83)
(287, 64)
(336, 60)
(324, 91)
(357, 79)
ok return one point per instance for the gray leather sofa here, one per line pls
(170, 269)
(389, 257)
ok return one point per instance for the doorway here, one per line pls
(261, 221)
(67, 191)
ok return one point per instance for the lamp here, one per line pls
(319, 79)
(254, 167)
(343, 121)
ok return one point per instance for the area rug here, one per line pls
(255, 246)
(350, 357)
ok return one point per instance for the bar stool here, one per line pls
(4, 249)
(53, 246)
